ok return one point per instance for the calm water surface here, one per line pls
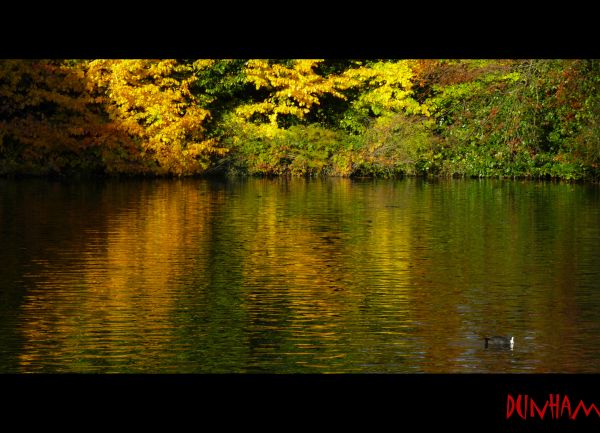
(298, 276)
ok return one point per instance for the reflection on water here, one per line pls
(289, 275)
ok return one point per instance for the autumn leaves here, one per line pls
(532, 118)
(117, 116)
(151, 103)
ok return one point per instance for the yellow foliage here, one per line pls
(388, 87)
(385, 87)
(294, 90)
(150, 100)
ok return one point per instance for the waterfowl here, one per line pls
(497, 341)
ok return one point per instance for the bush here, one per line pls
(397, 144)
(301, 150)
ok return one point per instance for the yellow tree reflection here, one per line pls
(108, 304)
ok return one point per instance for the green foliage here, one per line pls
(525, 118)
(303, 150)
(220, 88)
(398, 145)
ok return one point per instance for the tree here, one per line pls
(151, 102)
(293, 90)
(48, 122)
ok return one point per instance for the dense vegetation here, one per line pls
(501, 118)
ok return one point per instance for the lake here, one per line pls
(298, 276)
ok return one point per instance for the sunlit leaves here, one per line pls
(292, 90)
(386, 87)
(180, 117)
(151, 101)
